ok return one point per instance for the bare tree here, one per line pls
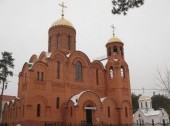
(163, 80)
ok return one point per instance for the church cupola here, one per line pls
(144, 102)
(62, 35)
(115, 47)
(116, 66)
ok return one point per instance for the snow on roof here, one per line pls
(12, 101)
(68, 55)
(151, 112)
(102, 99)
(7, 103)
(30, 65)
(76, 97)
(48, 54)
(17, 98)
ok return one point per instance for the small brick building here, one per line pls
(63, 87)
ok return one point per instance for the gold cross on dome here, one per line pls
(62, 10)
(113, 29)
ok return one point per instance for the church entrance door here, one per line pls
(89, 116)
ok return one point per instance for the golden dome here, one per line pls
(62, 21)
(144, 97)
(114, 39)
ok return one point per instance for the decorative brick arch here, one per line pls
(106, 99)
(97, 64)
(39, 104)
(78, 55)
(58, 55)
(42, 56)
(41, 98)
(25, 67)
(33, 58)
(110, 109)
(126, 112)
(39, 64)
(113, 63)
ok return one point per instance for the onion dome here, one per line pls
(144, 97)
(114, 39)
(62, 22)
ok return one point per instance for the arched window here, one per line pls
(42, 76)
(71, 111)
(58, 103)
(58, 41)
(97, 77)
(78, 71)
(23, 110)
(38, 75)
(146, 104)
(122, 72)
(111, 72)
(49, 44)
(69, 42)
(126, 112)
(164, 123)
(115, 50)
(121, 51)
(58, 69)
(142, 122)
(141, 105)
(109, 51)
(38, 110)
(153, 122)
(108, 109)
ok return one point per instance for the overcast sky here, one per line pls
(145, 32)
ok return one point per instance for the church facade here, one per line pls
(147, 116)
(63, 87)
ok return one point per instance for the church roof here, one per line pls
(114, 39)
(8, 97)
(144, 97)
(63, 21)
(151, 112)
(76, 97)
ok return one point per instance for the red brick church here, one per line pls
(62, 87)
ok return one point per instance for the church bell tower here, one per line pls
(117, 72)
